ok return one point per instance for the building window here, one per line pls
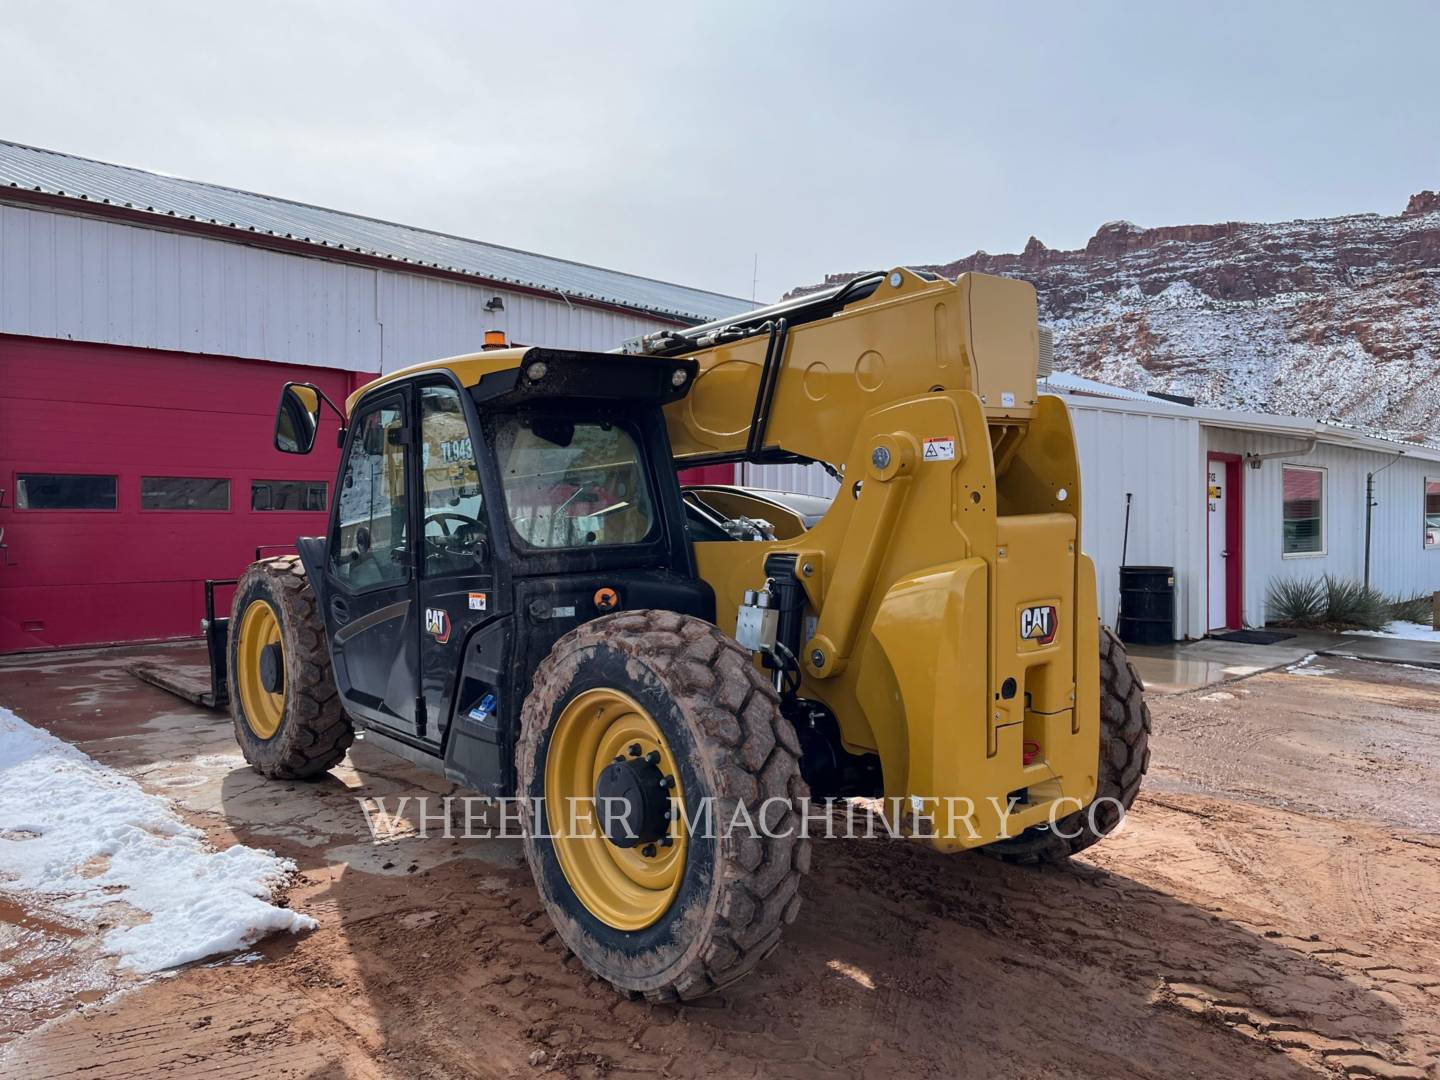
(54, 491)
(1432, 512)
(184, 493)
(1304, 512)
(288, 494)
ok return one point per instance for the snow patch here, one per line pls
(88, 837)
(1302, 667)
(1408, 631)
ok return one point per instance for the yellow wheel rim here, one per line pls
(621, 886)
(259, 628)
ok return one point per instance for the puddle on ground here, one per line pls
(48, 966)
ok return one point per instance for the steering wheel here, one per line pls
(440, 517)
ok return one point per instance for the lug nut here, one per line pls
(653, 757)
(635, 749)
(667, 782)
(666, 841)
(649, 851)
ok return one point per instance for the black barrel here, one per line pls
(1147, 605)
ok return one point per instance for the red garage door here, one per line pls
(131, 476)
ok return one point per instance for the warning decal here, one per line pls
(938, 449)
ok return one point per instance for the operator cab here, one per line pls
(485, 506)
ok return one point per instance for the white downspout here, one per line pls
(1256, 460)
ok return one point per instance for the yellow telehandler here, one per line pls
(516, 591)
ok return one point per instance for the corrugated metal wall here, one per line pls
(804, 479)
(424, 318)
(1156, 459)
(1399, 562)
(84, 279)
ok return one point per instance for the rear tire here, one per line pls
(718, 720)
(301, 731)
(1124, 759)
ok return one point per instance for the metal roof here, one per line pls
(1296, 427)
(177, 201)
(1066, 383)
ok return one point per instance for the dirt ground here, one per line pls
(1268, 911)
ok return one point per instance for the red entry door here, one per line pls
(1224, 541)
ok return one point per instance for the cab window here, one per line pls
(369, 544)
(573, 483)
(455, 532)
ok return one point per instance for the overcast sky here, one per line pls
(679, 141)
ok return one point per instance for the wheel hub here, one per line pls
(632, 801)
(627, 870)
(258, 668)
(272, 668)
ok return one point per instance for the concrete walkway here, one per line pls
(1173, 669)
(1189, 665)
(1387, 650)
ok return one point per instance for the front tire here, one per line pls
(697, 913)
(1124, 759)
(287, 713)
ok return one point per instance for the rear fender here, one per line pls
(929, 674)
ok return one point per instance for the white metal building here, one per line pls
(91, 251)
(1290, 490)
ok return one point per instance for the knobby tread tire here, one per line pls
(1124, 759)
(314, 732)
(748, 753)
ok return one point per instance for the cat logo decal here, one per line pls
(1039, 623)
(437, 624)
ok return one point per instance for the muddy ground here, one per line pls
(1269, 911)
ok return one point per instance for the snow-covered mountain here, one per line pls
(1337, 318)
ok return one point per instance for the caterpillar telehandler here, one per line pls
(515, 591)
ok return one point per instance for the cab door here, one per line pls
(370, 575)
(459, 602)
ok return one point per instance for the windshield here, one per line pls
(573, 483)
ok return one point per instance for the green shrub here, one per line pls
(1350, 603)
(1296, 602)
(1327, 602)
(1415, 609)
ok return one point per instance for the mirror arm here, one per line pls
(327, 401)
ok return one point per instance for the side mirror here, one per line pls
(297, 419)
